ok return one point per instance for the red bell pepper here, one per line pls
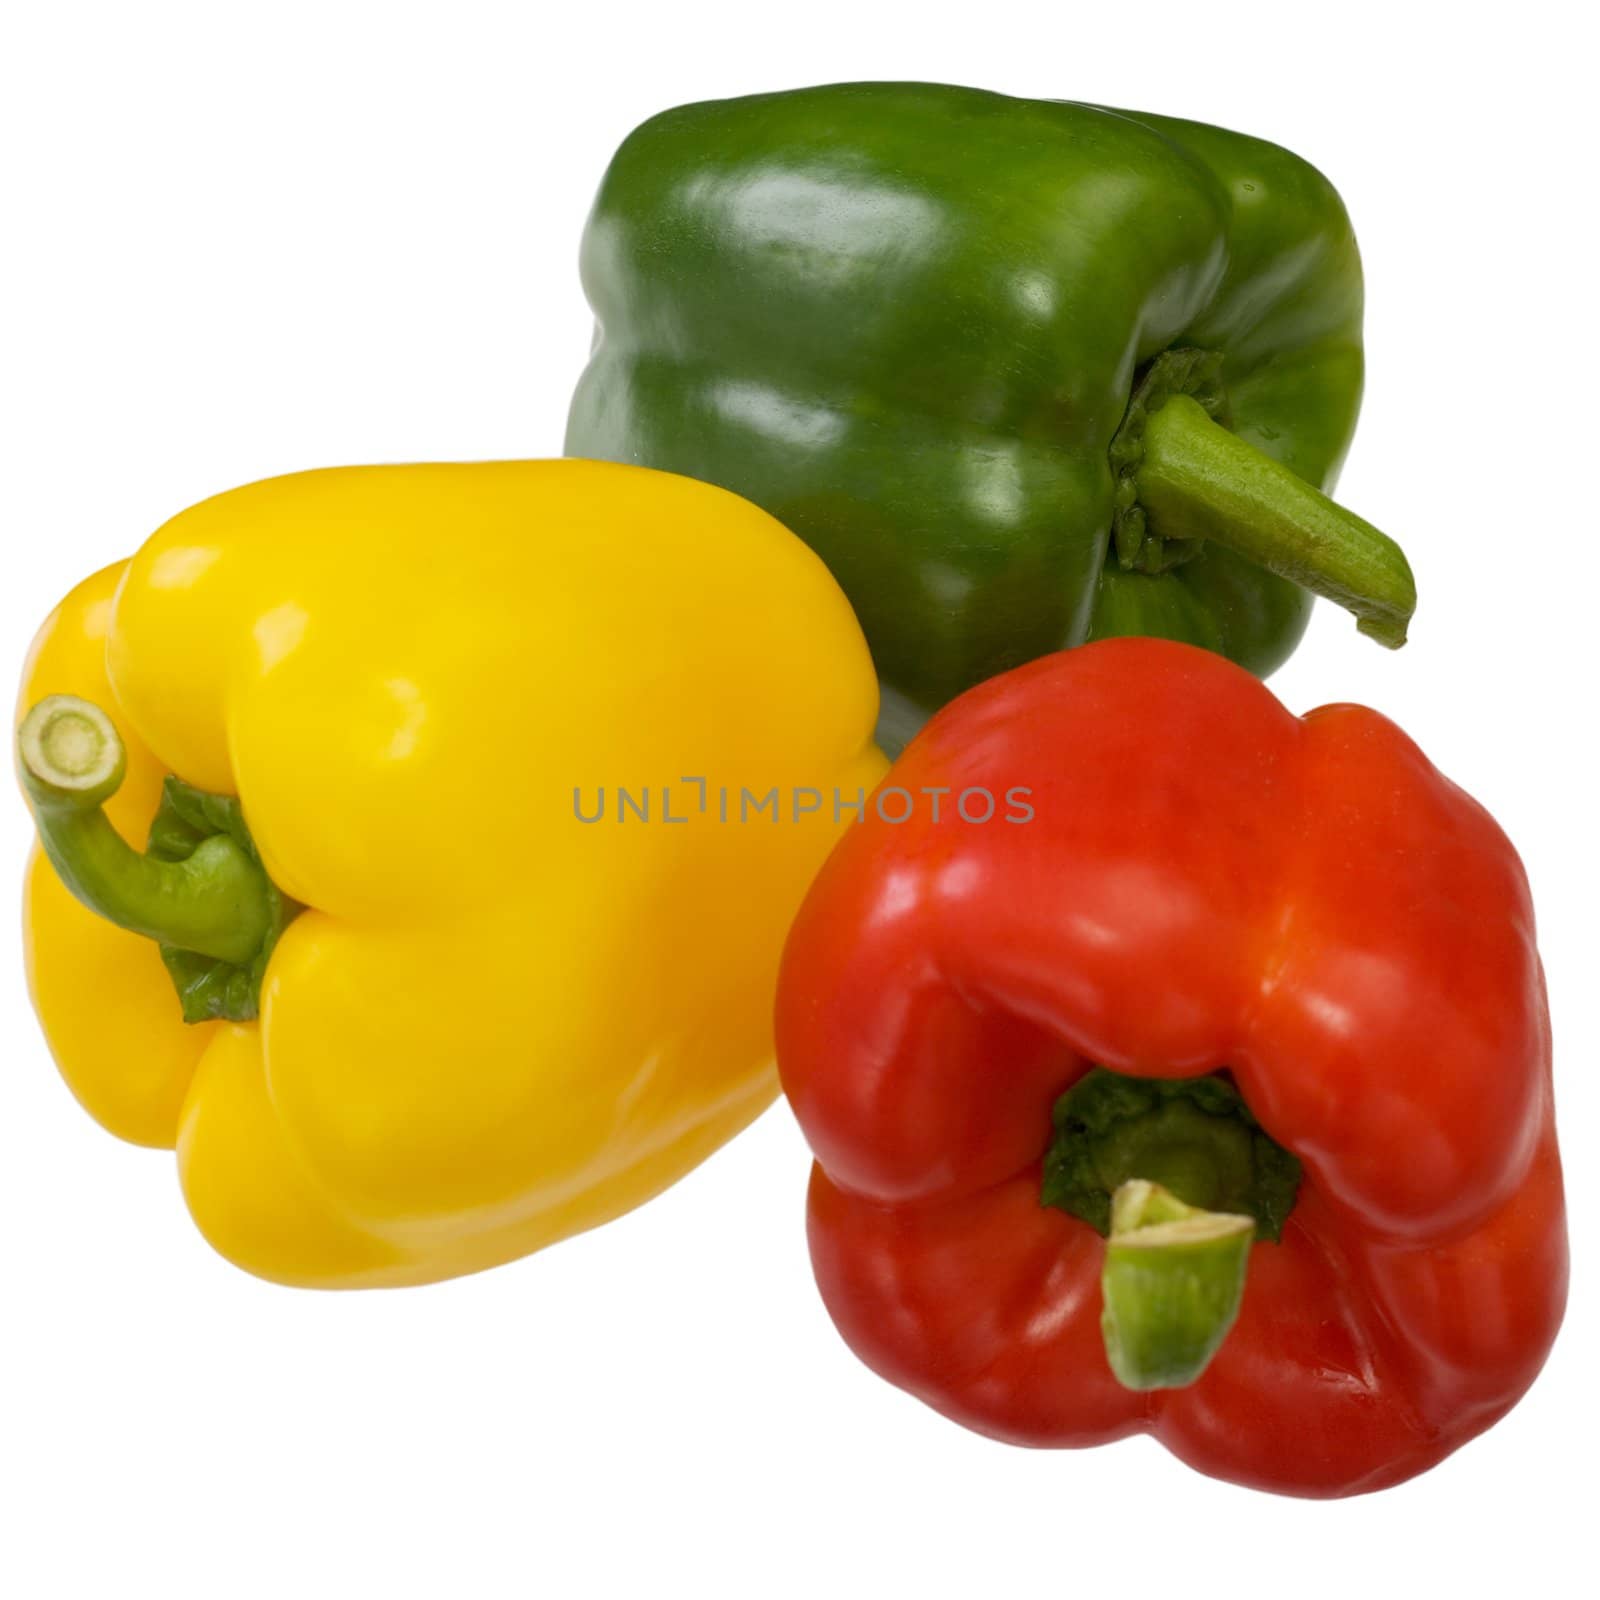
(1239, 976)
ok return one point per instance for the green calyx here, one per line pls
(1194, 1136)
(1183, 478)
(1179, 1178)
(209, 987)
(1197, 374)
(199, 890)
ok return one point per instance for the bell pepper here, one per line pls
(1175, 1065)
(1023, 372)
(440, 1012)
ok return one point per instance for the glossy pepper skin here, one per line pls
(492, 1025)
(909, 320)
(1208, 884)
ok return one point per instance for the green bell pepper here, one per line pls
(1022, 372)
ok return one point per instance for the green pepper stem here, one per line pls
(217, 903)
(1172, 1285)
(1199, 481)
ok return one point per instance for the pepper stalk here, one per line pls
(1185, 478)
(1172, 1285)
(200, 890)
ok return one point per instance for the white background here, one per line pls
(246, 239)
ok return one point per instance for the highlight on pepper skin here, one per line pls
(1092, 1100)
(310, 904)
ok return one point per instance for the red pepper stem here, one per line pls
(217, 903)
(1172, 1285)
(1197, 480)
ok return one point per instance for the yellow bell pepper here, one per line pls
(448, 1015)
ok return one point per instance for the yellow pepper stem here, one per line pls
(217, 902)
